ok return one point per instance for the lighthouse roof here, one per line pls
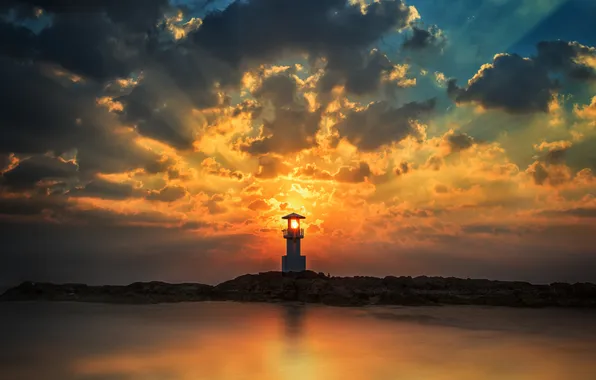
(293, 216)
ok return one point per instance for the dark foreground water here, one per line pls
(234, 341)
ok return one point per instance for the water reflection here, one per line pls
(230, 341)
(293, 317)
(295, 360)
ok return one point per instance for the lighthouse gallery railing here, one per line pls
(293, 233)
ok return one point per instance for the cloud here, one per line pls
(214, 205)
(258, 205)
(212, 167)
(489, 229)
(361, 73)
(167, 194)
(403, 168)
(353, 174)
(345, 174)
(124, 13)
(312, 171)
(525, 85)
(34, 171)
(82, 40)
(434, 162)
(571, 58)
(289, 132)
(512, 83)
(101, 188)
(575, 212)
(144, 126)
(321, 29)
(16, 41)
(424, 39)
(380, 124)
(38, 114)
(5, 161)
(176, 81)
(280, 89)
(551, 174)
(441, 189)
(458, 142)
(587, 112)
(271, 167)
(556, 151)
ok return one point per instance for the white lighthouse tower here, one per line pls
(293, 261)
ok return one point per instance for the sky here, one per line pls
(165, 140)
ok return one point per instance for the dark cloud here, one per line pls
(574, 212)
(435, 162)
(334, 30)
(403, 168)
(155, 117)
(380, 124)
(167, 194)
(100, 188)
(103, 40)
(490, 229)
(360, 72)
(281, 90)
(214, 204)
(551, 167)
(582, 154)
(5, 160)
(353, 174)
(512, 83)
(271, 167)
(459, 141)
(292, 127)
(16, 41)
(29, 172)
(59, 209)
(290, 131)
(312, 171)
(39, 113)
(526, 85)
(177, 80)
(89, 46)
(263, 29)
(210, 166)
(97, 39)
(424, 39)
(348, 174)
(441, 189)
(539, 172)
(125, 13)
(555, 156)
(31, 206)
(566, 57)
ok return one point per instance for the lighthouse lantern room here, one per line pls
(293, 261)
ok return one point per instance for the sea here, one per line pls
(235, 341)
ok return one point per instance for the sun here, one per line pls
(294, 224)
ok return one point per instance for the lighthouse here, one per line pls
(293, 261)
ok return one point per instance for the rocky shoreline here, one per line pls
(311, 287)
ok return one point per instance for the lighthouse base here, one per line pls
(293, 263)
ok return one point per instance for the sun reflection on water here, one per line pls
(232, 341)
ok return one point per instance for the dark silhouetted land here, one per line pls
(311, 287)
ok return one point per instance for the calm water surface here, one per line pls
(234, 341)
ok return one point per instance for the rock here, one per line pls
(314, 287)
